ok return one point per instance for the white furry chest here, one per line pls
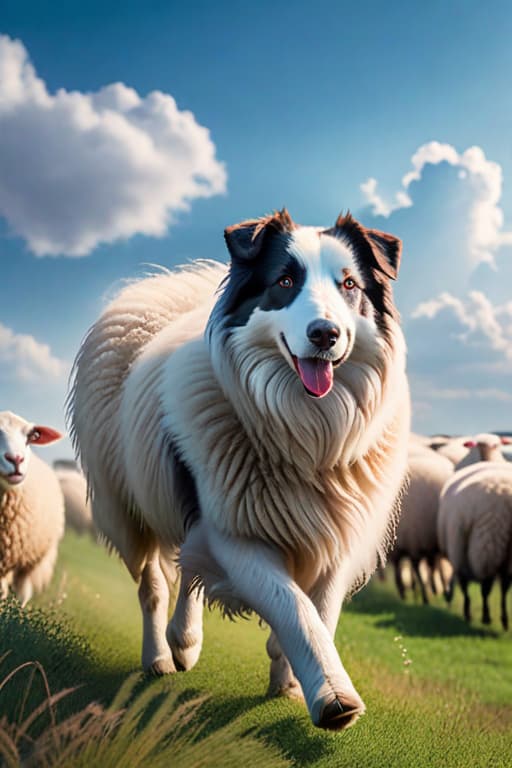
(245, 489)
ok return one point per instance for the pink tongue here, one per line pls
(315, 374)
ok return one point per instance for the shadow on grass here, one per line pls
(411, 618)
(36, 635)
(287, 734)
(43, 636)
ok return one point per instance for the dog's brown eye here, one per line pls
(286, 282)
(349, 283)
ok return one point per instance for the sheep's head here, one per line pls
(488, 446)
(16, 437)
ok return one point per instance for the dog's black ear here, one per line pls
(387, 250)
(383, 249)
(245, 240)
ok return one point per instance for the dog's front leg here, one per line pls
(327, 595)
(257, 575)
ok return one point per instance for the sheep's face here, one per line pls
(315, 294)
(488, 445)
(16, 437)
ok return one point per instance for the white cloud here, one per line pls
(79, 169)
(475, 322)
(24, 358)
(483, 179)
(380, 206)
(460, 363)
(489, 393)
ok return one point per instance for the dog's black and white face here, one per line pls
(311, 292)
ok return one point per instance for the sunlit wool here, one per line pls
(475, 529)
(31, 514)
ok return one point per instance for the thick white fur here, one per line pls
(295, 494)
(31, 515)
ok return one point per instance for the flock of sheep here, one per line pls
(455, 524)
(456, 519)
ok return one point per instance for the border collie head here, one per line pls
(312, 293)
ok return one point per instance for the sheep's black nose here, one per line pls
(323, 333)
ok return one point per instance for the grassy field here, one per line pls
(438, 693)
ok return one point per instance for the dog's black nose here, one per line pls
(323, 333)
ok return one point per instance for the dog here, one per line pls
(259, 434)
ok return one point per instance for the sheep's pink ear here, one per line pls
(40, 435)
(470, 444)
(506, 440)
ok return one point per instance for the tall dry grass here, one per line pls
(151, 728)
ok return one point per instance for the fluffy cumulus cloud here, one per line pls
(460, 359)
(453, 288)
(25, 359)
(380, 205)
(483, 181)
(79, 169)
(476, 323)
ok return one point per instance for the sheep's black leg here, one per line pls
(463, 581)
(448, 592)
(505, 584)
(485, 588)
(431, 562)
(416, 569)
(447, 582)
(398, 578)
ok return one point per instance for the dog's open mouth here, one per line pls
(315, 373)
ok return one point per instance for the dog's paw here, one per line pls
(291, 689)
(162, 665)
(185, 651)
(340, 712)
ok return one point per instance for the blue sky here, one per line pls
(262, 105)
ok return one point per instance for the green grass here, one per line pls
(451, 706)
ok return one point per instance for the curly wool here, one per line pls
(475, 520)
(31, 525)
(417, 528)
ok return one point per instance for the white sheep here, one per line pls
(77, 506)
(31, 508)
(475, 530)
(212, 423)
(452, 448)
(416, 536)
(483, 447)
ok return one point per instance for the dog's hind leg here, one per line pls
(154, 602)
(282, 680)
(185, 630)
